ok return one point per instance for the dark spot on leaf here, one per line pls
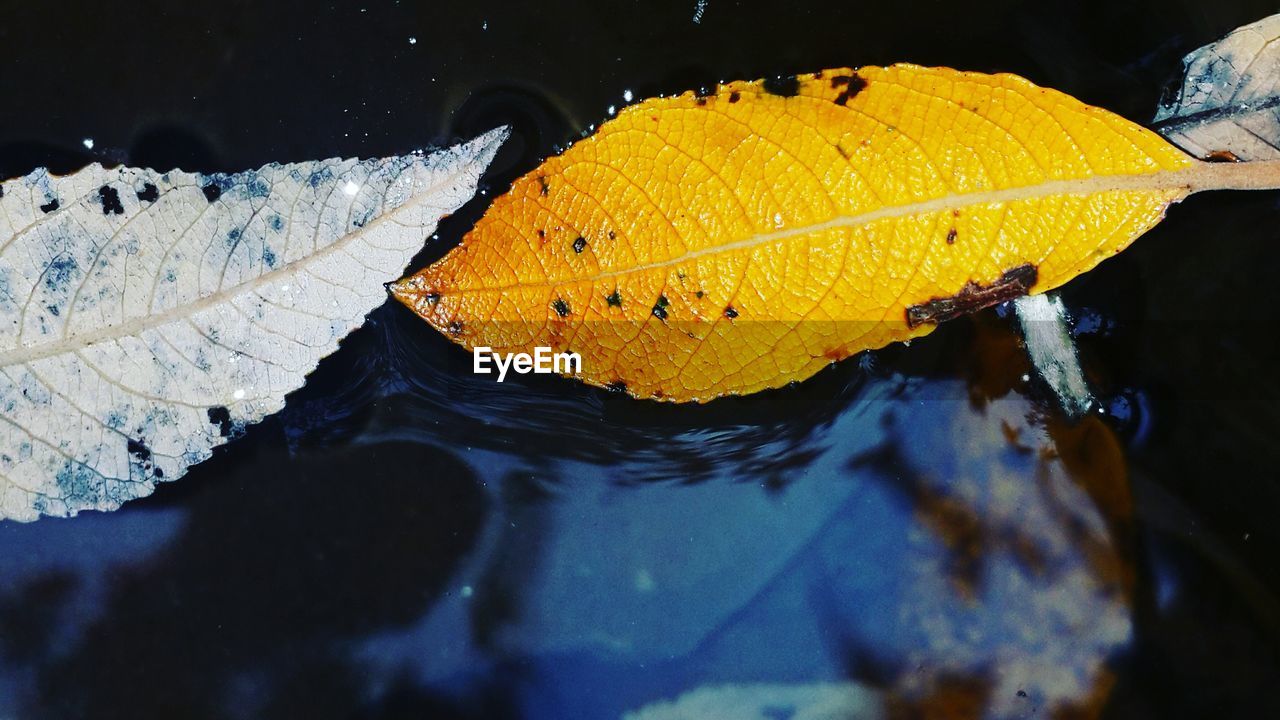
(782, 86)
(138, 449)
(433, 298)
(660, 307)
(853, 84)
(730, 312)
(543, 185)
(542, 234)
(221, 417)
(49, 206)
(973, 297)
(735, 96)
(454, 328)
(211, 192)
(951, 236)
(699, 294)
(580, 244)
(560, 306)
(614, 299)
(110, 199)
(148, 193)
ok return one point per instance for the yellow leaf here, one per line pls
(697, 246)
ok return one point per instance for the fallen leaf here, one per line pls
(1228, 105)
(147, 317)
(728, 242)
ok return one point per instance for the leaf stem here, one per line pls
(1252, 175)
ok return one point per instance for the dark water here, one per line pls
(914, 531)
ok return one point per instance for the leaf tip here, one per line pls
(402, 290)
(486, 146)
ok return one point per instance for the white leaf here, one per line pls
(1229, 101)
(146, 317)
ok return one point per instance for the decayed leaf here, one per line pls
(146, 317)
(727, 242)
(1228, 105)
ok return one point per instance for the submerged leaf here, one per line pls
(1052, 351)
(1228, 105)
(723, 243)
(147, 317)
(817, 701)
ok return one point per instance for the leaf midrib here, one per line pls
(1196, 177)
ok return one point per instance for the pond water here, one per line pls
(915, 532)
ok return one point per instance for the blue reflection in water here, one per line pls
(406, 540)
(963, 561)
(73, 561)
(406, 536)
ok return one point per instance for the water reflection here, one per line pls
(913, 535)
(924, 524)
(248, 610)
(1018, 588)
